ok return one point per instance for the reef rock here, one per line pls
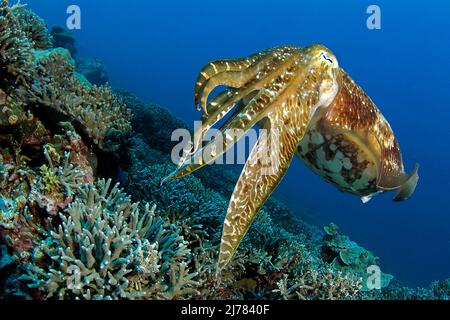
(93, 69)
(63, 38)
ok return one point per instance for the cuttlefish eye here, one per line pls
(329, 59)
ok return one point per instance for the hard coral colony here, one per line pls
(69, 231)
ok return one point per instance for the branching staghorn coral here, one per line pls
(57, 183)
(15, 51)
(318, 285)
(97, 245)
(33, 26)
(95, 111)
(182, 283)
(107, 247)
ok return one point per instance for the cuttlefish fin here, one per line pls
(391, 174)
(404, 183)
(409, 186)
(263, 171)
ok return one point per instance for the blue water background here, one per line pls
(156, 49)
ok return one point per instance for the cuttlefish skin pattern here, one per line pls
(316, 111)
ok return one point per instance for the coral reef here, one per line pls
(69, 231)
(15, 51)
(40, 85)
(53, 127)
(155, 123)
(349, 257)
(269, 252)
(34, 27)
(97, 245)
(94, 110)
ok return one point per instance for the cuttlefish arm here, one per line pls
(234, 73)
(255, 101)
(242, 74)
(263, 171)
(280, 89)
(234, 129)
(266, 165)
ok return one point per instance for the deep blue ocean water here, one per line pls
(156, 49)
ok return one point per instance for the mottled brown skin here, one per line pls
(312, 108)
(353, 125)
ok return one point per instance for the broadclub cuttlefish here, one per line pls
(317, 112)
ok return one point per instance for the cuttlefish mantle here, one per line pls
(316, 111)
